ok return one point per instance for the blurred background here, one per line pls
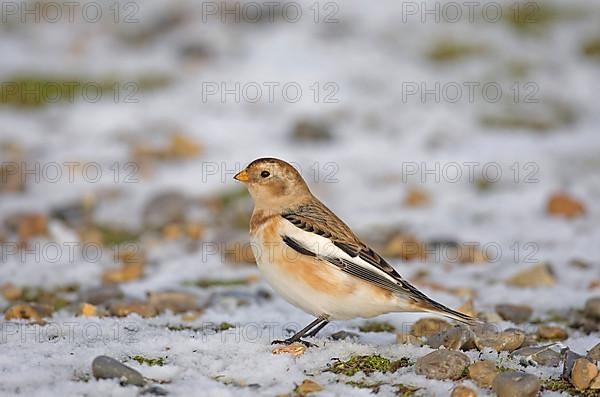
(427, 126)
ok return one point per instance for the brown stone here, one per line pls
(561, 204)
(416, 198)
(442, 364)
(549, 332)
(429, 326)
(124, 309)
(177, 302)
(404, 246)
(11, 292)
(537, 276)
(308, 386)
(127, 272)
(483, 373)
(88, 310)
(26, 311)
(507, 340)
(583, 373)
(463, 391)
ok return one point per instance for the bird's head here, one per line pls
(273, 183)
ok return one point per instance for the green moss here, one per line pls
(402, 390)
(446, 50)
(561, 385)
(112, 236)
(216, 282)
(368, 364)
(36, 91)
(555, 116)
(151, 361)
(529, 17)
(376, 326)
(223, 326)
(42, 296)
(405, 390)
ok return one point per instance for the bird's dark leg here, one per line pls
(318, 328)
(298, 335)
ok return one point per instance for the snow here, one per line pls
(368, 55)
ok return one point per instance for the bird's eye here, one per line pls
(265, 174)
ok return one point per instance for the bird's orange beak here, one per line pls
(242, 176)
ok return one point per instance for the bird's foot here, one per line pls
(289, 341)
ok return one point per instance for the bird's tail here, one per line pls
(431, 306)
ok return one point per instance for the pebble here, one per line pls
(516, 384)
(98, 295)
(429, 326)
(155, 390)
(594, 353)
(463, 391)
(177, 302)
(508, 340)
(104, 367)
(11, 292)
(442, 364)
(87, 310)
(454, 338)
(540, 355)
(595, 385)
(408, 339)
(592, 308)
(549, 332)
(33, 312)
(124, 309)
(569, 357)
(514, 313)
(311, 131)
(308, 386)
(483, 373)
(537, 276)
(583, 373)
(164, 208)
(125, 273)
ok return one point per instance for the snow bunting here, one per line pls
(315, 261)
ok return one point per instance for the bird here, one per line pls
(314, 260)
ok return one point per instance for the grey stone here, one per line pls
(442, 364)
(569, 357)
(454, 338)
(99, 295)
(104, 367)
(540, 355)
(341, 335)
(508, 340)
(514, 313)
(594, 353)
(155, 391)
(592, 308)
(164, 208)
(516, 384)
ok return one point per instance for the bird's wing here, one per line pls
(319, 232)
